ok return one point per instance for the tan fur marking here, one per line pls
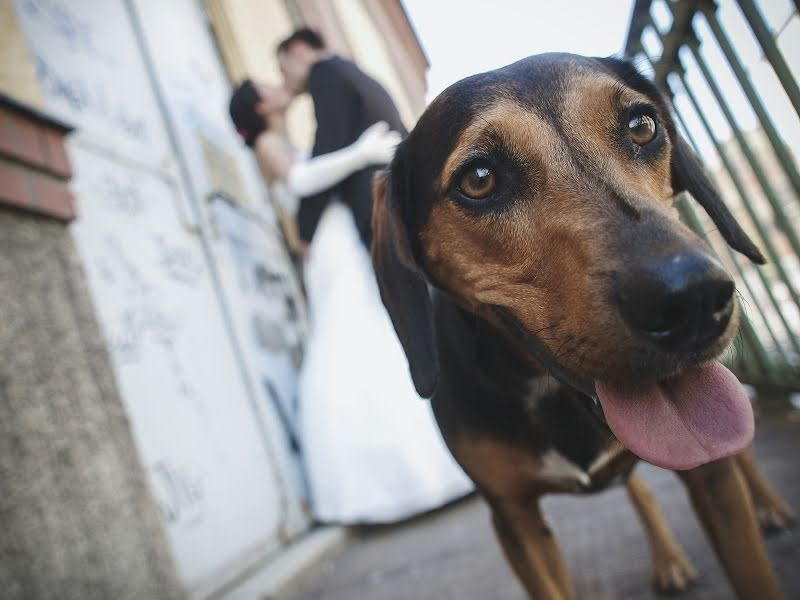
(720, 498)
(502, 470)
(590, 108)
(513, 473)
(517, 126)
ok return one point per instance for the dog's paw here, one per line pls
(774, 515)
(673, 574)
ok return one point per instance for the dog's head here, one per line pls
(540, 197)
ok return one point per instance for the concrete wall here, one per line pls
(76, 515)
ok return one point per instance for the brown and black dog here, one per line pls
(525, 230)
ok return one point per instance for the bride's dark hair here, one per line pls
(249, 124)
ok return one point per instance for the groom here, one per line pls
(346, 102)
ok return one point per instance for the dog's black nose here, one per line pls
(680, 302)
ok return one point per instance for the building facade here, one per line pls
(193, 297)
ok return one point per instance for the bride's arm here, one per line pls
(305, 178)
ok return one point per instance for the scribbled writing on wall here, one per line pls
(181, 264)
(144, 318)
(82, 95)
(270, 316)
(136, 323)
(60, 20)
(180, 492)
(122, 195)
(144, 271)
(281, 331)
(144, 313)
(63, 39)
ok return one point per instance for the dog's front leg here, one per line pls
(532, 551)
(771, 509)
(672, 571)
(723, 504)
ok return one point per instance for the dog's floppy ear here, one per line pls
(688, 175)
(403, 286)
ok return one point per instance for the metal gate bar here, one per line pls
(769, 348)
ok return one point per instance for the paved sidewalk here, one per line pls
(452, 554)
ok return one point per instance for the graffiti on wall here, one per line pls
(271, 315)
(180, 492)
(156, 292)
(79, 49)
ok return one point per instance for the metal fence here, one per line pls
(737, 101)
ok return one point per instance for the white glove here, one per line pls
(373, 147)
(377, 144)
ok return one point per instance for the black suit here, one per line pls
(346, 102)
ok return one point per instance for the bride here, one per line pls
(371, 448)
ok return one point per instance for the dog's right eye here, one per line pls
(642, 129)
(478, 181)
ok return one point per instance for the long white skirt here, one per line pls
(372, 449)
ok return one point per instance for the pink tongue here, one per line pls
(696, 417)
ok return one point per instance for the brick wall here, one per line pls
(34, 166)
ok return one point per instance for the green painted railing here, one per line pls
(758, 173)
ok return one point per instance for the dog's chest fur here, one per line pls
(487, 387)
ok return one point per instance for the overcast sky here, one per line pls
(463, 37)
(470, 36)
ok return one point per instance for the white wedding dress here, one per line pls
(371, 447)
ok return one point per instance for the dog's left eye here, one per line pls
(642, 129)
(478, 182)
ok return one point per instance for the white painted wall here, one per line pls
(194, 295)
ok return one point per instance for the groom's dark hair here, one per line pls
(304, 35)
